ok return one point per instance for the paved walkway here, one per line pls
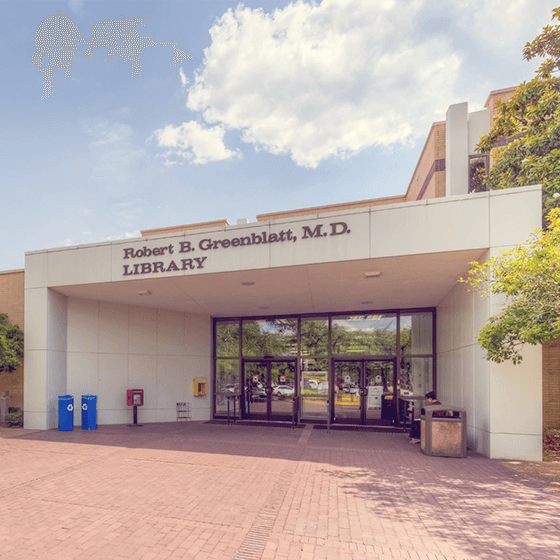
(205, 491)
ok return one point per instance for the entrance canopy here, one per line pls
(384, 257)
(403, 282)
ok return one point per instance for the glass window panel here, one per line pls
(227, 338)
(227, 376)
(314, 388)
(270, 337)
(314, 377)
(314, 336)
(227, 386)
(416, 333)
(416, 376)
(375, 335)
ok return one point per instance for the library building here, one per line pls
(342, 315)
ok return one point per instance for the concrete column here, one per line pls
(45, 347)
(457, 150)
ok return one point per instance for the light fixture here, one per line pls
(373, 274)
(247, 283)
(366, 302)
(144, 293)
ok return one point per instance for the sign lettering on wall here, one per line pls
(146, 260)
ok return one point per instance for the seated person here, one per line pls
(415, 429)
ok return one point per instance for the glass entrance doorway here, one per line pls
(364, 391)
(268, 389)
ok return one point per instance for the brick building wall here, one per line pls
(11, 302)
(551, 384)
(428, 179)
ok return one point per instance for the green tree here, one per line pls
(530, 122)
(11, 345)
(529, 277)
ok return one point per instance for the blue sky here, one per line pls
(283, 105)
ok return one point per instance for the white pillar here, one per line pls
(45, 347)
(457, 150)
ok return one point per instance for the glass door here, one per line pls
(364, 391)
(347, 391)
(269, 389)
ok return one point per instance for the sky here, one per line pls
(247, 109)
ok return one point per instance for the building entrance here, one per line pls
(364, 391)
(268, 389)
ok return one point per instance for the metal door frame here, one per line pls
(362, 390)
(268, 390)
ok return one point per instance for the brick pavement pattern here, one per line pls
(201, 491)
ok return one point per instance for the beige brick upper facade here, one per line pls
(11, 302)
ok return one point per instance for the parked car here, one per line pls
(283, 391)
(323, 388)
(309, 384)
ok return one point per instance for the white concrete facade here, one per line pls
(90, 331)
(462, 134)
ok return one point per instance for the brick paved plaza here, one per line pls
(206, 491)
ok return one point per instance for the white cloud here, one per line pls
(76, 6)
(316, 80)
(113, 153)
(125, 235)
(321, 80)
(194, 142)
(184, 79)
(503, 24)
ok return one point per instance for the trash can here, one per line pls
(89, 412)
(443, 431)
(388, 410)
(65, 413)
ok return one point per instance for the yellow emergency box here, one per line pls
(199, 386)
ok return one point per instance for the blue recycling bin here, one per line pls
(65, 413)
(89, 412)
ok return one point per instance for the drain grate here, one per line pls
(257, 537)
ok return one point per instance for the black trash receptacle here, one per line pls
(65, 413)
(443, 431)
(388, 409)
(89, 412)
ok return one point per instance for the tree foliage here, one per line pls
(11, 345)
(529, 277)
(530, 122)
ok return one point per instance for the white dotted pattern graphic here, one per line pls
(57, 38)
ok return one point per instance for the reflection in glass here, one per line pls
(255, 387)
(315, 337)
(379, 391)
(347, 398)
(227, 385)
(269, 390)
(227, 338)
(314, 377)
(415, 376)
(416, 333)
(314, 388)
(273, 337)
(282, 376)
(227, 376)
(364, 334)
